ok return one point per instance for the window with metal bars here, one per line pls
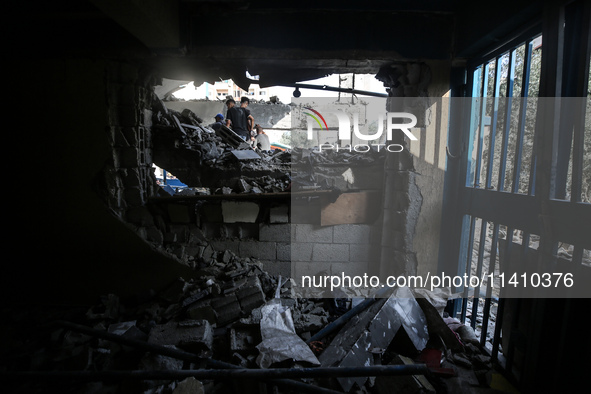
(523, 190)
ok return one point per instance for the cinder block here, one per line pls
(330, 252)
(312, 233)
(201, 311)
(227, 309)
(302, 268)
(275, 232)
(251, 295)
(276, 268)
(351, 233)
(360, 252)
(239, 211)
(193, 335)
(258, 250)
(283, 252)
(230, 244)
(279, 214)
(349, 269)
(301, 251)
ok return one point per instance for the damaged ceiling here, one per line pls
(282, 43)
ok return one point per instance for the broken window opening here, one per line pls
(166, 178)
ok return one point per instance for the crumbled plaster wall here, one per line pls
(414, 178)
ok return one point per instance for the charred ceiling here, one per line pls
(282, 42)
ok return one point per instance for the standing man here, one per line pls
(236, 120)
(244, 102)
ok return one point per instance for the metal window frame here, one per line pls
(543, 210)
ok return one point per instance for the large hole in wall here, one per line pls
(206, 215)
(216, 199)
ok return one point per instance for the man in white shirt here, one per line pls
(262, 139)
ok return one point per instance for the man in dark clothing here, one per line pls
(236, 120)
(244, 102)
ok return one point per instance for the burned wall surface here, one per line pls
(83, 164)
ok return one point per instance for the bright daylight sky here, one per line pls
(189, 92)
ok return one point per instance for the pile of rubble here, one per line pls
(202, 157)
(222, 163)
(200, 335)
(328, 169)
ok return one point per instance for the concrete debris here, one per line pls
(465, 332)
(221, 162)
(203, 158)
(195, 336)
(376, 327)
(343, 170)
(234, 312)
(189, 386)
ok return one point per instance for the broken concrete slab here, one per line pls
(279, 214)
(192, 335)
(246, 154)
(243, 338)
(376, 328)
(227, 309)
(251, 295)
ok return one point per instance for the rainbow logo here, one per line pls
(315, 118)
